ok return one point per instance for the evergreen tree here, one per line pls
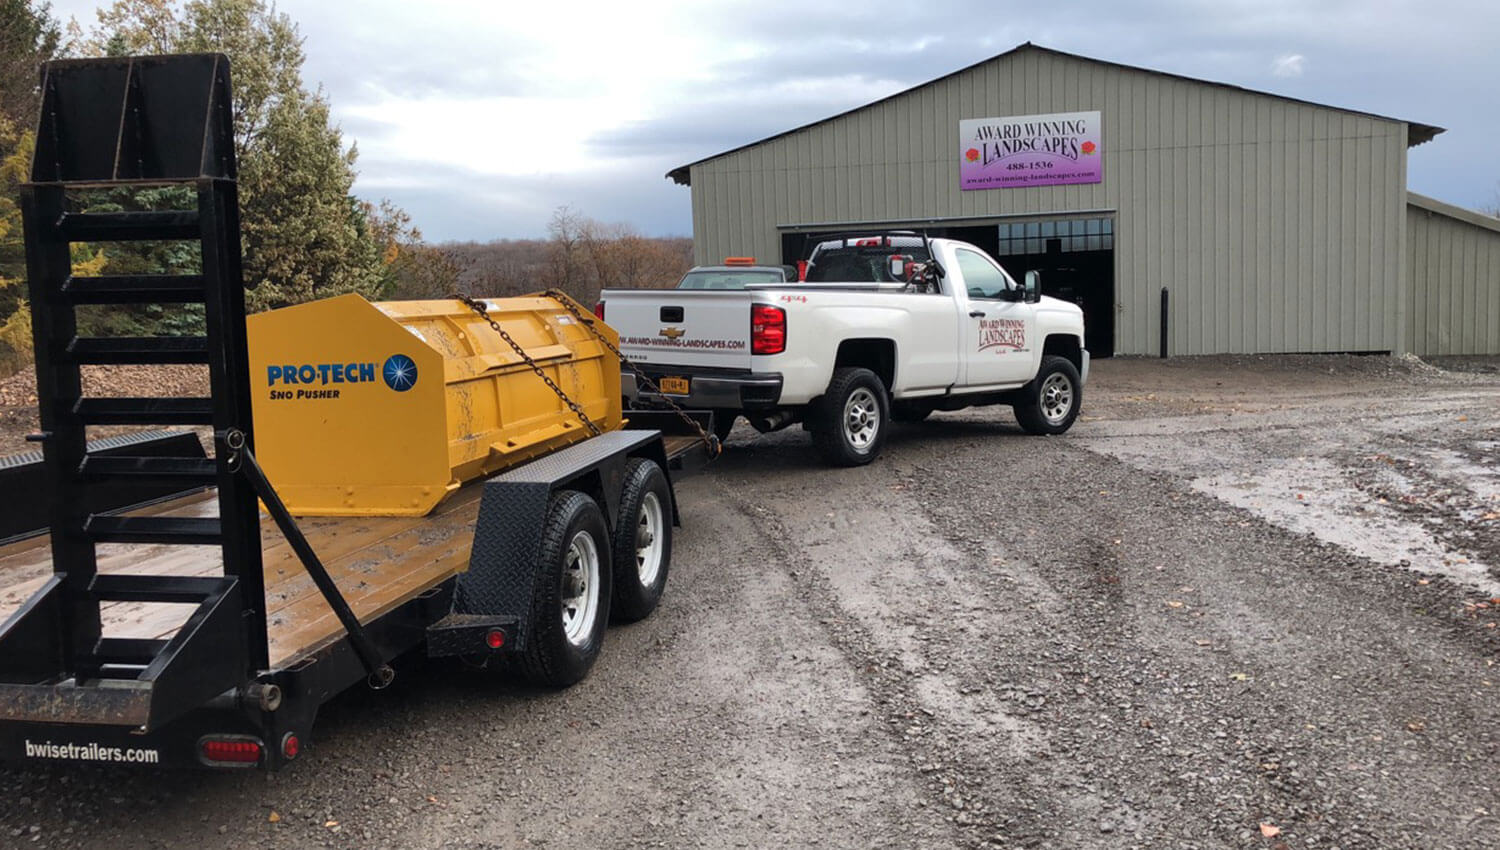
(304, 235)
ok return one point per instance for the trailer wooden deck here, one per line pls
(377, 562)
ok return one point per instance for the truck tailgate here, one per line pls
(665, 326)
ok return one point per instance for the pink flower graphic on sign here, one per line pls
(1088, 147)
(972, 155)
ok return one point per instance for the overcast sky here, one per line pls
(479, 117)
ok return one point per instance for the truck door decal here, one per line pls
(1002, 335)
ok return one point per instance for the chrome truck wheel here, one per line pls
(1050, 403)
(848, 423)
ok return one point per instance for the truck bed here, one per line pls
(377, 562)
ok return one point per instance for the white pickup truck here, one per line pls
(886, 327)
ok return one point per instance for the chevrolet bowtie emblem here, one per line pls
(672, 333)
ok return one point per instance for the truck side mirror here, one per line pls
(1033, 286)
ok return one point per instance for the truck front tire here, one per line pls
(643, 541)
(1050, 403)
(850, 422)
(571, 595)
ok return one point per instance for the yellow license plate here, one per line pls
(673, 386)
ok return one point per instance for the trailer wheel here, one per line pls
(643, 541)
(1052, 400)
(850, 421)
(570, 602)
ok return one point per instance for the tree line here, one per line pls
(305, 235)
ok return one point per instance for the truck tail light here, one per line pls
(767, 329)
(599, 310)
(230, 751)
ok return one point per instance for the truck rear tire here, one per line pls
(571, 596)
(849, 423)
(643, 541)
(1050, 403)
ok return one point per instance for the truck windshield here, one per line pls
(728, 279)
(860, 264)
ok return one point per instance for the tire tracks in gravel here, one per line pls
(883, 598)
(1155, 667)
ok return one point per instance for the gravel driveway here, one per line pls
(1245, 603)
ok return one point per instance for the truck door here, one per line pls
(998, 334)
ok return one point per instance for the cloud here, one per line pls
(480, 117)
(1290, 65)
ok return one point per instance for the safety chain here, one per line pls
(483, 311)
(709, 441)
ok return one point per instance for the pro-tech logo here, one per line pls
(400, 372)
(324, 380)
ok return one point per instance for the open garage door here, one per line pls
(1076, 257)
(1077, 260)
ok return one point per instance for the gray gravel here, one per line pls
(983, 640)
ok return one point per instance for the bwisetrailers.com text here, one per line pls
(89, 752)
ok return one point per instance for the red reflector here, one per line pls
(802, 270)
(232, 752)
(495, 639)
(767, 329)
(599, 310)
(290, 746)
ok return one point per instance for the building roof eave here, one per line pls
(1416, 133)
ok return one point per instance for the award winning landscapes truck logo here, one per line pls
(1002, 335)
(320, 380)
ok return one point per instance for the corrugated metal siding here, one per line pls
(1453, 266)
(1277, 226)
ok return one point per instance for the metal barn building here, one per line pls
(1248, 222)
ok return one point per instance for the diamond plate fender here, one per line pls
(513, 508)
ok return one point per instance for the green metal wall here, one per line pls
(1278, 226)
(1453, 265)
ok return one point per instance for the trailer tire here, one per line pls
(643, 541)
(572, 565)
(1050, 403)
(850, 421)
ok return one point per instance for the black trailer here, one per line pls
(152, 619)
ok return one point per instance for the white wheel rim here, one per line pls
(1056, 398)
(580, 588)
(648, 540)
(861, 419)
